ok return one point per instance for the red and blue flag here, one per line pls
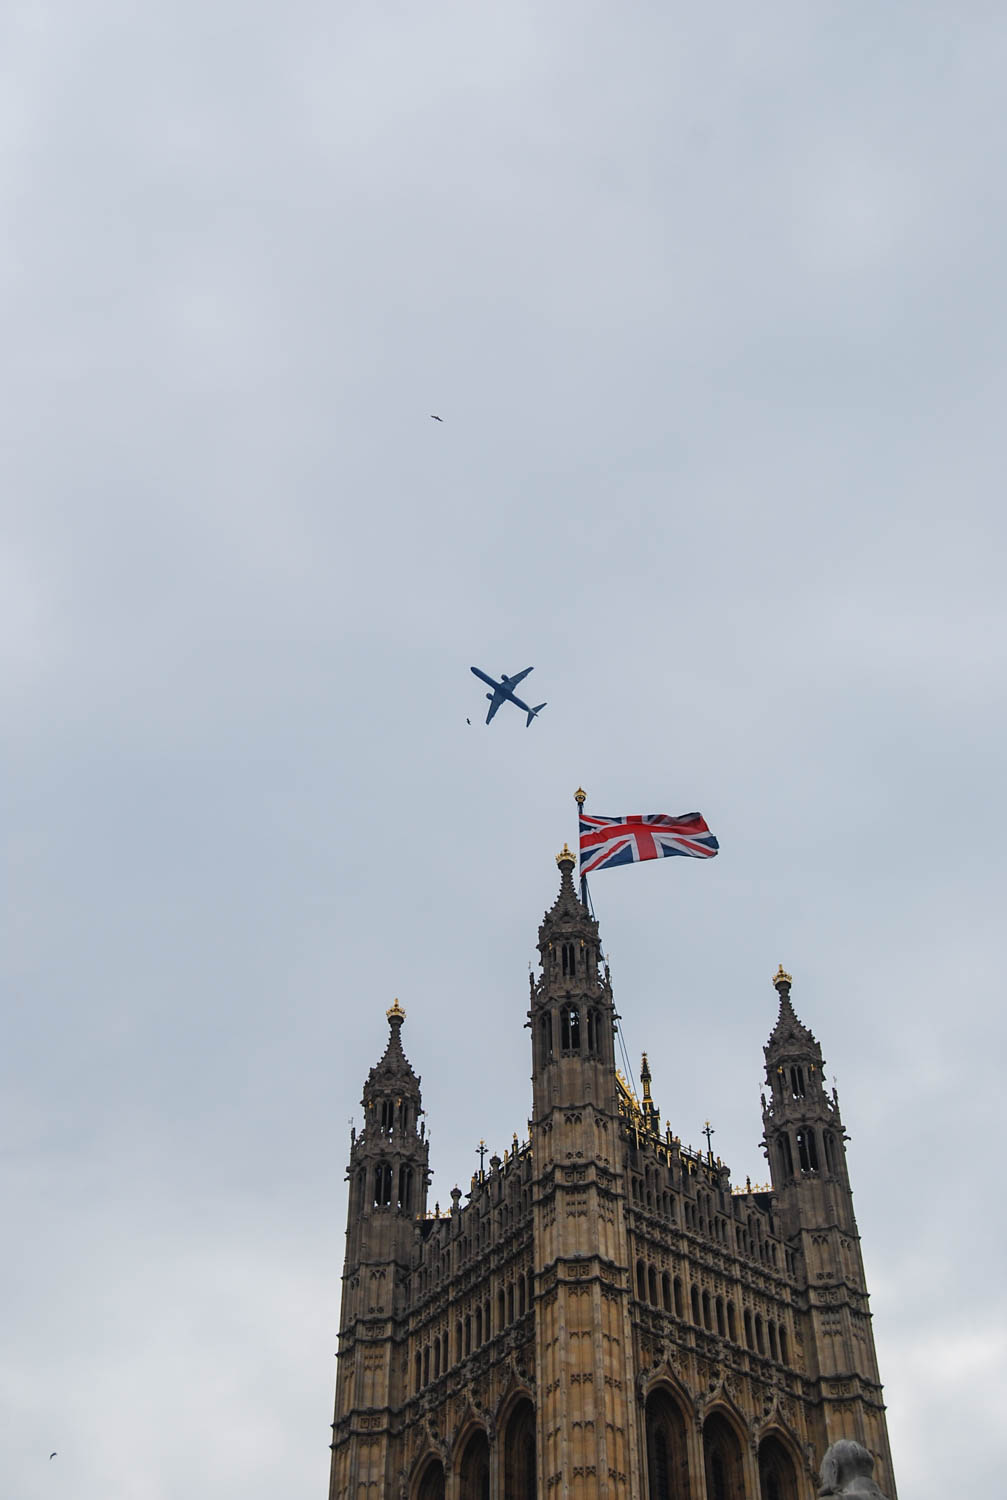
(623, 841)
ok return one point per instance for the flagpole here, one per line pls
(580, 797)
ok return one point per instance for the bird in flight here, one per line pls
(435, 418)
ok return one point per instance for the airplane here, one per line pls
(503, 692)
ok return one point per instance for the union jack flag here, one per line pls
(622, 841)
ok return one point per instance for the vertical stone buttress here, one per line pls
(585, 1381)
(388, 1176)
(805, 1143)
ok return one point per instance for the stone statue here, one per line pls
(847, 1470)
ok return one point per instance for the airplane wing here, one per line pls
(512, 682)
(498, 698)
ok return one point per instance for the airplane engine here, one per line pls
(490, 697)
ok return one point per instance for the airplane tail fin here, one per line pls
(531, 714)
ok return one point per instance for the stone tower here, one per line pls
(388, 1176)
(605, 1317)
(583, 1346)
(806, 1146)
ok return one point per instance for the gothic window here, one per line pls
(748, 1329)
(361, 1190)
(570, 1028)
(760, 1342)
(592, 1031)
(777, 1473)
(487, 1326)
(694, 1296)
(545, 1034)
(519, 1454)
(641, 1281)
(387, 1114)
(479, 1326)
(522, 1293)
(652, 1286)
(807, 1150)
(474, 1471)
(445, 1357)
(830, 1151)
(404, 1117)
(568, 959)
(720, 1316)
(786, 1158)
(667, 1452)
(459, 1346)
(722, 1459)
(797, 1082)
(679, 1299)
(419, 1371)
(437, 1357)
(432, 1483)
(468, 1333)
(784, 1351)
(531, 1289)
(501, 1310)
(405, 1188)
(382, 1185)
(773, 1346)
(732, 1323)
(426, 1365)
(666, 1292)
(707, 1320)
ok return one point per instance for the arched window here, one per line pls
(652, 1286)
(786, 1158)
(748, 1329)
(474, 1469)
(545, 1035)
(797, 1082)
(666, 1291)
(387, 1114)
(437, 1357)
(431, 1486)
(531, 1288)
(777, 1472)
(694, 1296)
(722, 1458)
(419, 1371)
(568, 958)
(479, 1326)
(426, 1365)
(774, 1348)
(667, 1450)
(721, 1329)
(519, 1454)
(522, 1292)
(405, 1188)
(830, 1151)
(592, 1031)
(501, 1310)
(679, 1299)
(807, 1150)
(784, 1348)
(361, 1190)
(459, 1345)
(732, 1323)
(641, 1281)
(570, 1028)
(468, 1333)
(404, 1116)
(707, 1320)
(760, 1342)
(382, 1185)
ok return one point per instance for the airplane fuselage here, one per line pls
(503, 692)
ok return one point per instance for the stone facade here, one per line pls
(605, 1316)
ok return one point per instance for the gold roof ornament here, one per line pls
(566, 856)
(781, 978)
(396, 1015)
(580, 796)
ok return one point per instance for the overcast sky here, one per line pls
(711, 302)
